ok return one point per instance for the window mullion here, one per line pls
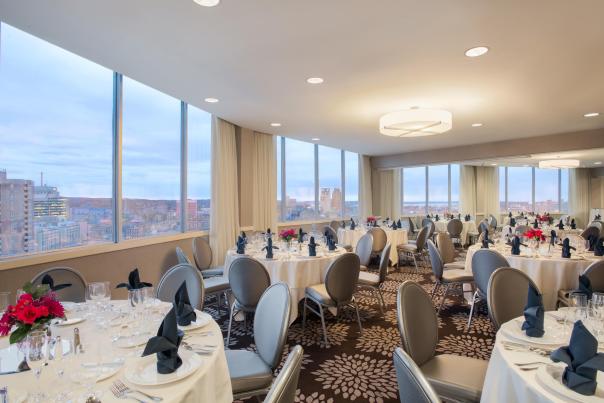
(426, 209)
(117, 113)
(184, 133)
(343, 178)
(533, 190)
(316, 181)
(283, 179)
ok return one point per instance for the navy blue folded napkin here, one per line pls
(582, 359)
(240, 245)
(485, 239)
(510, 214)
(50, 282)
(566, 248)
(516, 245)
(269, 248)
(185, 313)
(301, 234)
(533, 313)
(353, 225)
(165, 345)
(585, 286)
(536, 224)
(134, 282)
(512, 222)
(560, 225)
(312, 247)
(592, 239)
(573, 224)
(436, 218)
(599, 249)
(553, 236)
(399, 225)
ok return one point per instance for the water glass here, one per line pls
(36, 355)
(136, 297)
(18, 294)
(4, 300)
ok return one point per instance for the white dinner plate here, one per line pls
(69, 322)
(143, 371)
(69, 306)
(202, 320)
(553, 336)
(131, 342)
(550, 377)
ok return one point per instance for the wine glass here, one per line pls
(4, 300)
(36, 355)
(63, 358)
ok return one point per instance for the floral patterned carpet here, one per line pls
(358, 367)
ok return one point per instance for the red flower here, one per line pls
(27, 314)
(6, 323)
(55, 309)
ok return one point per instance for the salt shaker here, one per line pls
(77, 345)
(4, 395)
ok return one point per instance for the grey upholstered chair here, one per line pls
(182, 256)
(595, 274)
(447, 252)
(330, 231)
(597, 224)
(338, 290)
(455, 277)
(65, 275)
(379, 239)
(453, 377)
(507, 294)
(335, 225)
(412, 385)
(413, 231)
(284, 386)
(373, 281)
(483, 226)
(248, 279)
(484, 263)
(252, 372)
(590, 231)
(363, 249)
(431, 227)
(455, 228)
(415, 250)
(202, 253)
(173, 279)
(492, 221)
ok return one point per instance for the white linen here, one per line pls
(264, 186)
(365, 189)
(394, 237)
(550, 274)
(210, 383)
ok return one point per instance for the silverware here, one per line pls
(530, 364)
(123, 395)
(121, 386)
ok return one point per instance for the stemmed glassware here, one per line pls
(4, 300)
(36, 355)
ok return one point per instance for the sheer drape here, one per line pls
(388, 195)
(365, 195)
(478, 190)
(467, 190)
(224, 213)
(264, 186)
(578, 195)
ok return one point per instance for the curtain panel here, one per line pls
(264, 186)
(578, 196)
(365, 187)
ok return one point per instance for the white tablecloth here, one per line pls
(297, 271)
(549, 273)
(395, 237)
(210, 383)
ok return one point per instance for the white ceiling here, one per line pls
(544, 70)
(592, 158)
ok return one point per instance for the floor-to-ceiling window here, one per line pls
(430, 189)
(300, 180)
(438, 189)
(525, 189)
(199, 175)
(330, 182)
(414, 190)
(351, 196)
(520, 185)
(454, 188)
(546, 190)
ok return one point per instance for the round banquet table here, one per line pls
(469, 227)
(296, 269)
(394, 237)
(550, 274)
(210, 383)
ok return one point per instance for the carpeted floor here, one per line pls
(358, 367)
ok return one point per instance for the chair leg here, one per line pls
(442, 301)
(415, 262)
(356, 308)
(435, 289)
(472, 310)
(378, 296)
(304, 315)
(230, 324)
(381, 299)
(323, 325)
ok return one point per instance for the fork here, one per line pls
(123, 395)
(121, 386)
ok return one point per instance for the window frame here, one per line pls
(427, 186)
(533, 193)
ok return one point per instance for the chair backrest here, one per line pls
(417, 322)
(364, 248)
(384, 261)
(283, 389)
(426, 221)
(492, 221)
(330, 231)
(595, 274)
(65, 275)
(411, 225)
(172, 280)
(597, 224)
(454, 227)
(422, 235)
(271, 322)
(342, 277)
(482, 227)
(445, 247)
(435, 260)
(412, 385)
(590, 231)
(431, 228)
(182, 257)
(202, 253)
(335, 225)
(248, 279)
(507, 294)
(379, 239)
(484, 263)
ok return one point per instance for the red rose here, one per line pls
(6, 322)
(55, 309)
(27, 314)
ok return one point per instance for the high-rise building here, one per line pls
(336, 200)
(325, 200)
(48, 202)
(16, 215)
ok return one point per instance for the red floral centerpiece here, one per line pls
(534, 234)
(36, 307)
(288, 234)
(544, 218)
(371, 219)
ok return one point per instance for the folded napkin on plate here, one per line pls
(134, 282)
(485, 239)
(185, 313)
(516, 246)
(312, 247)
(301, 234)
(536, 224)
(573, 225)
(240, 245)
(50, 282)
(436, 218)
(510, 214)
(560, 225)
(533, 313)
(582, 359)
(165, 345)
(566, 248)
(512, 222)
(585, 286)
(599, 249)
(592, 239)
(352, 224)
(269, 248)
(399, 225)
(394, 225)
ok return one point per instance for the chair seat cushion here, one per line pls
(213, 272)
(455, 377)
(247, 371)
(457, 275)
(368, 278)
(216, 284)
(411, 248)
(319, 293)
(455, 265)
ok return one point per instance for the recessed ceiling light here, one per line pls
(476, 124)
(315, 139)
(207, 3)
(477, 51)
(493, 164)
(211, 100)
(314, 80)
(592, 114)
(275, 124)
(598, 163)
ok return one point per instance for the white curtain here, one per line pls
(487, 190)
(578, 196)
(388, 197)
(224, 212)
(264, 186)
(467, 190)
(365, 195)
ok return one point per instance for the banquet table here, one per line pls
(209, 383)
(550, 274)
(469, 227)
(505, 381)
(296, 268)
(346, 236)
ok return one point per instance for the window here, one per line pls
(300, 180)
(414, 190)
(199, 174)
(533, 189)
(546, 190)
(454, 188)
(502, 187)
(520, 189)
(56, 153)
(330, 182)
(438, 189)
(351, 196)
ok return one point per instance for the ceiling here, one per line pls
(543, 72)
(592, 158)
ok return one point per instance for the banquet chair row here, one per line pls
(455, 228)
(415, 249)
(507, 294)
(65, 275)
(202, 258)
